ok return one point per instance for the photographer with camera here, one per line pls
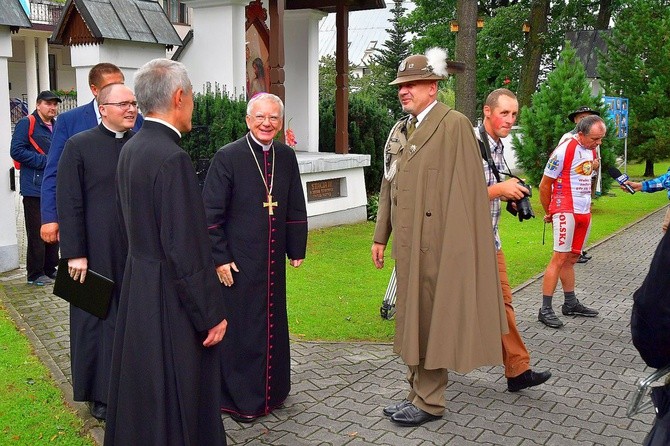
(565, 194)
(500, 112)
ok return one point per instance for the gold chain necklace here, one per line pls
(266, 204)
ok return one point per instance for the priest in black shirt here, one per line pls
(91, 237)
(257, 217)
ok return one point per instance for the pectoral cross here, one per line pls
(270, 205)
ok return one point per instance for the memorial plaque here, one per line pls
(323, 189)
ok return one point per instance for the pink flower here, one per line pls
(290, 138)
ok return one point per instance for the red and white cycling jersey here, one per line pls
(571, 165)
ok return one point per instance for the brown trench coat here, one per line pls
(449, 307)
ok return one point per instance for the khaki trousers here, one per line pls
(515, 354)
(666, 219)
(427, 388)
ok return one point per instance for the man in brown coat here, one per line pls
(450, 312)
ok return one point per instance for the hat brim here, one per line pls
(452, 68)
(572, 115)
(415, 78)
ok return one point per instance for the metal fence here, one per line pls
(18, 107)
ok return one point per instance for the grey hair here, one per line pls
(586, 124)
(156, 81)
(265, 97)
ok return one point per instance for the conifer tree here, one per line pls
(388, 58)
(636, 67)
(545, 121)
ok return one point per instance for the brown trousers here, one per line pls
(427, 388)
(515, 354)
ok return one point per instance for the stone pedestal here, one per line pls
(334, 188)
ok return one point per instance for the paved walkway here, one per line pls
(339, 389)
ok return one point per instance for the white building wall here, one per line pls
(301, 37)
(219, 59)
(128, 56)
(9, 248)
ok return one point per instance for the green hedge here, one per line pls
(218, 118)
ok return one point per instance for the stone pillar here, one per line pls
(217, 52)
(43, 63)
(301, 33)
(9, 248)
(31, 72)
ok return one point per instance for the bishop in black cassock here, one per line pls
(90, 230)
(256, 216)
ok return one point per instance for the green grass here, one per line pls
(336, 293)
(32, 410)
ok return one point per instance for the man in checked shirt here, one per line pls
(500, 112)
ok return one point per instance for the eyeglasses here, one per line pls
(124, 105)
(261, 118)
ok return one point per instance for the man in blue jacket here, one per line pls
(70, 123)
(41, 258)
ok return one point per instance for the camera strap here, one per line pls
(485, 148)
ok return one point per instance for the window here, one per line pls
(176, 11)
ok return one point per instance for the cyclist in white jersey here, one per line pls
(565, 194)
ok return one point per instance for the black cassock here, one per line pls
(90, 227)
(164, 386)
(255, 356)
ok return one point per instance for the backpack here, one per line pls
(31, 130)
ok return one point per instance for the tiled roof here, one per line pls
(12, 14)
(129, 20)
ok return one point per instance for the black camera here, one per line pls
(522, 207)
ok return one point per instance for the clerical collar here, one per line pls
(165, 123)
(265, 147)
(423, 114)
(117, 135)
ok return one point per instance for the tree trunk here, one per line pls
(533, 50)
(466, 51)
(604, 15)
(649, 169)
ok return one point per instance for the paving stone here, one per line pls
(339, 389)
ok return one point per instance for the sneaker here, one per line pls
(36, 282)
(583, 259)
(45, 280)
(549, 318)
(578, 310)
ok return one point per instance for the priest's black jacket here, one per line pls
(255, 357)
(164, 386)
(91, 227)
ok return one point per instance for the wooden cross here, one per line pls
(270, 205)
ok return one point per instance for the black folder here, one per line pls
(92, 296)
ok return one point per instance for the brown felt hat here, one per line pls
(416, 68)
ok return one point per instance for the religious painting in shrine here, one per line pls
(257, 49)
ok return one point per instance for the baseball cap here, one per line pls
(47, 95)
